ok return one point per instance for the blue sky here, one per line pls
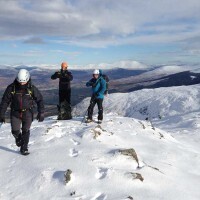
(34, 32)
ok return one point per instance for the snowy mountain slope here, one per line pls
(156, 77)
(173, 109)
(165, 169)
(158, 72)
(165, 103)
(172, 69)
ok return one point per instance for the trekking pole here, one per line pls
(84, 116)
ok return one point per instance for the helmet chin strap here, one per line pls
(23, 83)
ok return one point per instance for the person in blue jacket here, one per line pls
(98, 85)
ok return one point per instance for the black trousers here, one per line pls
(99, 103)
(65, 95)
(21, 127)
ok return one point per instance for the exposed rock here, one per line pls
(130, 152)
(161, 135)
(137, 176)
(154, 168)
(98, 130)
(72, 193)
(67, 176)
(48, 129)
(143, 126)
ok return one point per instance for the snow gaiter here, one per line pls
(18, 137)
(25, 140)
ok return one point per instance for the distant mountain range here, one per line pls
(156, 81)
(121, 80)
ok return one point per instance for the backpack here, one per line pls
(105, 77)
(29, 90)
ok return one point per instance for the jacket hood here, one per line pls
(100, 72)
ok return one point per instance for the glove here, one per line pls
(93, 84)
(96, 94)
(58, 74)
(63, 72)
(67, 77)
(2, 120)
(40, 117)
(88, 84)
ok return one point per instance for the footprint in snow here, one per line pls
(12, 147)
(45, 179)
(73, 153)
(101, 173)
(99, 196)
(73, 129)
(75, 142)
(9, 170)
(31, 143)
(12, 163)
(80, 197)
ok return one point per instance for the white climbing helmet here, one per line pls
(96, 71)
(23, 76)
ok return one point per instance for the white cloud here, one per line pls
(124, 64)
(99, 23)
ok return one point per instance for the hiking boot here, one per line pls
(25, 141)
(88, 120)
(24, 152)
(99, 121)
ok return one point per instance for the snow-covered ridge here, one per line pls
(122, 159)
(124, 64)
(173, 109)
(170, 101)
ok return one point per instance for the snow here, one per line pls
(167, 149)
(124, 64)
(99, 170)
(166, 102)
(193, 77)
(173, 109)
(169, 69)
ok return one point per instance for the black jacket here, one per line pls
(65, 77)
(21, 99)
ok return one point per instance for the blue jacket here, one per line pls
(98, 86)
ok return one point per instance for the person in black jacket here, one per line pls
(21, 95)
(65, 77)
